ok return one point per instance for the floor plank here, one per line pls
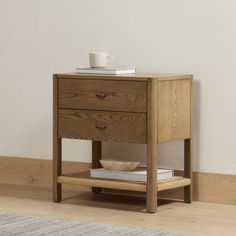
(79, 203)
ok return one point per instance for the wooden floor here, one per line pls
(198, 218)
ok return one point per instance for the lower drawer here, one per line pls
(102, 126)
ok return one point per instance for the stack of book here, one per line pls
(105, 71)
(138, 174)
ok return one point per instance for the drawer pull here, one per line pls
(100, 95)
(100, 127)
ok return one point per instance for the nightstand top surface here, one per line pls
(136, 76)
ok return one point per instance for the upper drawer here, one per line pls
(102, 95)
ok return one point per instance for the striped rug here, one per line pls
(22, 225)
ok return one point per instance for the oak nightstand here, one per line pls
(136, 108)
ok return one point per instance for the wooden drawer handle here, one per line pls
(100, 127)
(100, 95)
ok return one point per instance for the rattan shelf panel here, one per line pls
(83, 178)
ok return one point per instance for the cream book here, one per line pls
(138, 174)
(106, 71)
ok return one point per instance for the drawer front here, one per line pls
(102, 126)
(102, 95)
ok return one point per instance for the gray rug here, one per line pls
(22, 225)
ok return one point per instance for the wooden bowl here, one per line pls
(119, 165)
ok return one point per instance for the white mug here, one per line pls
(99, 59)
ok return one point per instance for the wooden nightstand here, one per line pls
(137, 108)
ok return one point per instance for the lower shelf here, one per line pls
(84, 179)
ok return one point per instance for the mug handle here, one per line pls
(110, 59)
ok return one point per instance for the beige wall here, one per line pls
(38, 38)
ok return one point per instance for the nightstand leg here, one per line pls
(187, 170)
(151, 197)
(96, 157)
(57, 169)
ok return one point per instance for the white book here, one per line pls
(138, 174)
(105, 71)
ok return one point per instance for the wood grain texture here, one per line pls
(84, 179)
(151, 200)
(96, 157)
(187, 170)
(208, 187)
(212, 187)
(34, 172)
(96, 154)
(169, 185)
(138, 108)
(196, 219)
(174, 102)
(102, 95)
(102, 126)
(128, 77)
(57, 168)
(102, 183)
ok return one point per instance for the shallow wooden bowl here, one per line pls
(119, 165)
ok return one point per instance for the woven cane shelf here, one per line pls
(83, 178)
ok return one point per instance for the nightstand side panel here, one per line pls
(174, 110)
